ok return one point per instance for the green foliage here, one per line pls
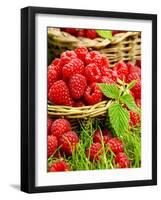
(79, 161)
(131, 84)
(129, 101)
(122, 99)
(109, 90)
(119, 118)
(105, 34)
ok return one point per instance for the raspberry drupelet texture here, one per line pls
(59, 127)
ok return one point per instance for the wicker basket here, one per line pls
(124, 46)
(75, 115)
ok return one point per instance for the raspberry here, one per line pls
(78, 104)
(92, 94)
(92, 34)
(59, 127)
(106, 79)
(134, 118)
(137, 90)
(106, 71)
(76, 66)
(52, 77)
(92, 56)
(138, 102)
(103, 63)
(81, 33)
(115, 145)
(133, 69)
(72, 31)
(94, 152)
(56, 61)
(122, 70)
(59, 94)
(122, 160)
(138, 63)
(132, 76)
(116, 32)
(77, 85)
(49, 126)
(92, 73)
(52, 144)
(68, 142)
(105, 135)
(59, 166)
(114, 75)
(56, 65)
(67, 56)
(81, 52)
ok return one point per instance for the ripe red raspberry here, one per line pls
(52, 144)
(122, 70)
(76, 66)
(92, 34)
(92, 94)
(67, 56)
(106, 71)
(81, 53)
(68, 142)
(138, 102)
(59, 127)
(103, 63)
(94, 152)
(52, 77)
(92, 56)
(78, 103)
(106, 79)
(116, 32)
(134, 118)
(72, 31)
(105, 135)
(92, 73)
(137, 90)
(77, 85)
(114, 75)
(122, 160)
(115, 145)
(81, 33)
(138, 63)
(59, 94)
(132, 76)
(59, 166)
(49, 126)
(133, 69)
(56, 65)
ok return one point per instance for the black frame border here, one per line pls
(28, 98)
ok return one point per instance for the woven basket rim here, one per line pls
(59, 37)
(80, 112)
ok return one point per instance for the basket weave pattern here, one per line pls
(123, 47)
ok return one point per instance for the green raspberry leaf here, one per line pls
(109, 90)
(119, 118)
(131, 84)
(129, 101)
(104, 34)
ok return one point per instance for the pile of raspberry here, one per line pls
(88, 33)
(73, 78)
(63, 141)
